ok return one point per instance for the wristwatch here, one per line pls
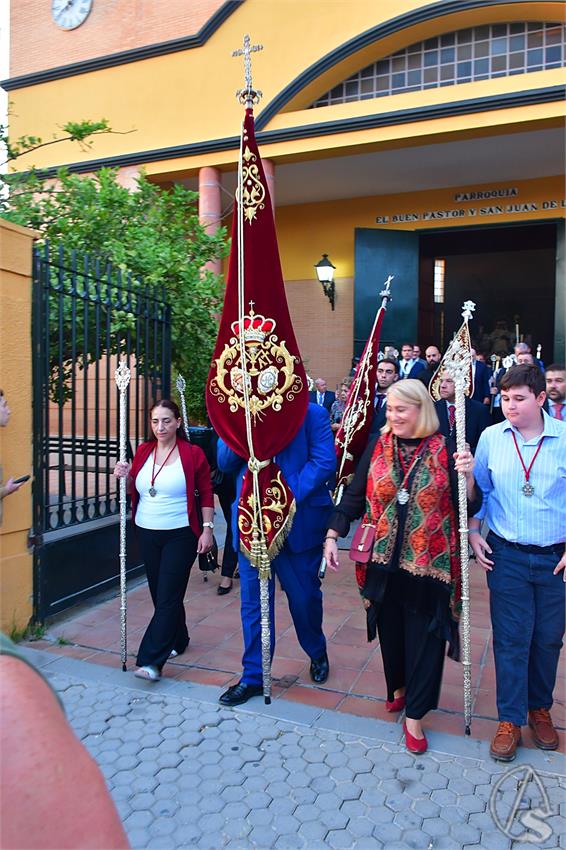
(208, 525)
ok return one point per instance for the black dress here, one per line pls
(410, 614)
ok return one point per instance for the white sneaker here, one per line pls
(149, 673)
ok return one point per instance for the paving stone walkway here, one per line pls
(187, 773)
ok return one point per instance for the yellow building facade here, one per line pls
(423, 140)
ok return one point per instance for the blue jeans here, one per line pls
(298, 574)
(527, 616)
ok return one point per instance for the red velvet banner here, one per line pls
(257, 392)
(352, 436)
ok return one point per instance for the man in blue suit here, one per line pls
(409, 367)
(481, 374)
(307, 463)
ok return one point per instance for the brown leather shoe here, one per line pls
(506, 740)
(544, 734)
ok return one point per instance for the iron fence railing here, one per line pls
(86, 317)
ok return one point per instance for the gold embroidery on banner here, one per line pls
(277, 514)
(271, 377)
(253, 190)
(357, 414)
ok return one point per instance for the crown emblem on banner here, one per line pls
(256, 327)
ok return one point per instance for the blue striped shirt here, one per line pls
(540, 519)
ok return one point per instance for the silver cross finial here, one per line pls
(248, 95)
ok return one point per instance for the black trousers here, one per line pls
(226, 493)
(168, 556)
(413, 657)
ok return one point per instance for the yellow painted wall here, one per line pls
(16, 568)
(308, 230)
(189, 96)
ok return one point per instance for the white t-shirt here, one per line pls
(168, 508)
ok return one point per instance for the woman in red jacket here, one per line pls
(162, 480)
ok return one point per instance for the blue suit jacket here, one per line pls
(481, 382)
(417, 367)
(307, 463)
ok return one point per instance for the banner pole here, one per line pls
(458, 363)
(122, 377)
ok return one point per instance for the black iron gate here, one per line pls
(86, 317)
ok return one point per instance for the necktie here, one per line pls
(451, 416)
(558, 411)
(320, 399)
(379, 400)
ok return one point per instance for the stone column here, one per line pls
(210, 206)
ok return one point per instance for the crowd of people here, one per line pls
(405, 493)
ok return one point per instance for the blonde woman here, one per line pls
(405, 487)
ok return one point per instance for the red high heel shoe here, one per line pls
(398, 704)
(414, 745)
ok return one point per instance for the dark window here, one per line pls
(499, 46)
(552, 54)
(498, 30)
(517, 42)
(481, 49)
(534, 57)
(476, 53)
(498, 63)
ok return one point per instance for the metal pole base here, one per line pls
(468, 730)
(267, 700)
(124, 667)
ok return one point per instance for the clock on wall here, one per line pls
(70, 14)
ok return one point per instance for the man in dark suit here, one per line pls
(307, 463)
(387, 374)
(433, 358)
(477, 415)
(481, 374)
(555, 404)
(417, 354)
(321, 395)
(408, 366)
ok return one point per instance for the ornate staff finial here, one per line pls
(248, 96)
(122, 376)
(468, 310)
(181, 385)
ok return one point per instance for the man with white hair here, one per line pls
(321, 395)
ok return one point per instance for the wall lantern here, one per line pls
(325, 274)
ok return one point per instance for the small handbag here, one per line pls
(362, 543)
(208, 562)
